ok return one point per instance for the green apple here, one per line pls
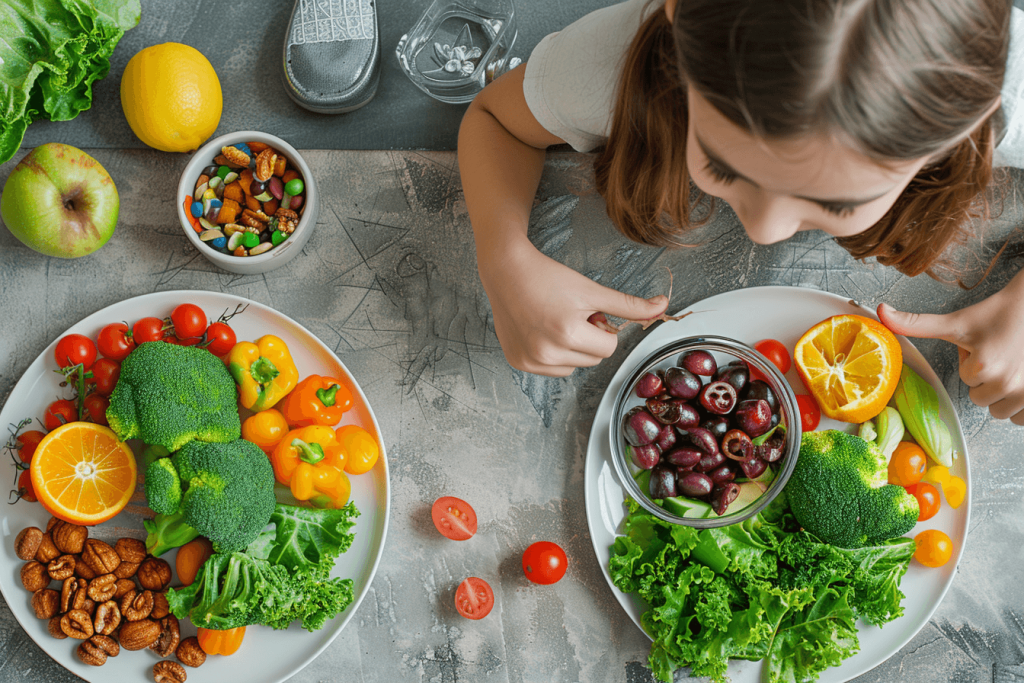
(60, 201)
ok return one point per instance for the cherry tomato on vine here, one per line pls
(810, 413)
(115, 341)
(191, 341)
(96, 408)
(73, 349)
(58, 413)
(927, 499)
(454, 518)
(544, 562)
(188, 320)
(907, 465)
(105, 374)
(27, 442)
(221, 337)
(776, 352)
(25, 490)
(148, 330)
(474, 598)
(934, 548)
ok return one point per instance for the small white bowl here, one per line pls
(282, 253)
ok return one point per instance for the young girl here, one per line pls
(876, 121)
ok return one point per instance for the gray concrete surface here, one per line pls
(388, 280)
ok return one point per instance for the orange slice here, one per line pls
(82, 474)
(851, 364)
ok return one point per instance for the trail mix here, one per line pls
(107, 598)
(248, 201)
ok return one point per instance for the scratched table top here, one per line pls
(388, 280)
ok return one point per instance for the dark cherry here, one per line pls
(702, 439)
(699, 363)
(694, 485)
(754, 416)
(682, 383)
(721, 475)
(722, 497)
(718, 398)
(758, 388)
(665, 412)
(717, 425)
(256, 188)
(663, 482)
(685, 457)
(710, 461)
(688, 415)
(649, 386)
(666, 438)
(753, 468)
(737, 446)
(644, 457)
(735, 373)
(639, 427)
(774, 446)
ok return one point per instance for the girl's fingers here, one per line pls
(1018, 419)
(591, 340)
(1008, 407)
(984, 395)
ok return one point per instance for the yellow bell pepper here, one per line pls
(311, 462)
(264, 372)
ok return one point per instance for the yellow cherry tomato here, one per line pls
(265, 429)
(934, 548)
(953, 487)
(361, 447)
(907, 465)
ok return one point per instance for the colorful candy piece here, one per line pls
(249, 239)
(223, 171)
(294, 187)
(197, 209)
(277, 237)
(244, 148)
(220, 242)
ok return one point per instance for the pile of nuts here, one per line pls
(98, 600)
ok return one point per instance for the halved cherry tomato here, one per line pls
(454, 518)
(115, 341)
(25, 491)
(105, 374)
(58, 413)
(27, 442)
(776, 352)
(221, 338)
(810, 413)
(220, 642)
(927, 499)
(96, 408)
(474, 598)
(544, 562)
(73, 349)
(188, 320)
(934, 548)
(148, 330)
(907, 465)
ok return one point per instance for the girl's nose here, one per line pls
(768, 219)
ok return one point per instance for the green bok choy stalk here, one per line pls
(885, 431)
(918, 405)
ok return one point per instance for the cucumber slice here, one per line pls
(687, 507)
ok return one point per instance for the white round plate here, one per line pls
(782, 313)
(265, 655)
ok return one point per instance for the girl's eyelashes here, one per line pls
(838, 210)
(718, 173)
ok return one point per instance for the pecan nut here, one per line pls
(102, 588)
(130, 550)
(265, 162)
(107, 618)
(34, 577)
(236, 156)
(68, 593)
(190, 653)
(126, 570)
(47, 551)
(77, 624)
(46, 603)
(84, 571)
(287, 220)
(61, 568)
(169, 672)
(160, 607)
(154, 574)
(96, 650)
(100, 556)
(26, 545)
(107, 644)
(123, 587)
(138, 635)
(88, 605)
(52, 522)
(137, 606)
(54, 628)
(170, 635)
(69, 538)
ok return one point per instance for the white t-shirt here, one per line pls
(572, 76)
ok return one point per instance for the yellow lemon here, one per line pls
(171, 97)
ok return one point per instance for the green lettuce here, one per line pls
(51, 52)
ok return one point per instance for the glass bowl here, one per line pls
(724, 350)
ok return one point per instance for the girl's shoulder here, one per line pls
(1010, 151)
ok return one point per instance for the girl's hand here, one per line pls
(541, 308)
(990, 335)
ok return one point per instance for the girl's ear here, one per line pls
(670, 9)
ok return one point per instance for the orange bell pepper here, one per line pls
(265, 429)
(220, 642)
(361, 448)
(311, 462)
(316, 401)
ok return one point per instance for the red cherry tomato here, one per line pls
(454, 518)
(115, 341)
(221, 337)
(27, 442)
(544, 562)
(148, 330)
(58, 413)
(927, 499)
(105, 374)
(96, 408)
(74, 349)
(191, 341)
(474, 598)
(776, 352)
(189, 321)
(810, 413)
(25, 490)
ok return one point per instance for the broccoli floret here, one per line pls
(167, 532)
(839, 492)
(227, 491)
(163, 487)
(169, 395)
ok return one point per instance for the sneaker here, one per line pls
(332, 54)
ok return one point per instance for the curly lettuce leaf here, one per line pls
(813, 639)
(51, 52)
(306, 537)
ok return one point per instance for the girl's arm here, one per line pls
(540, 306)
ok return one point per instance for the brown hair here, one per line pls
(900, 80)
